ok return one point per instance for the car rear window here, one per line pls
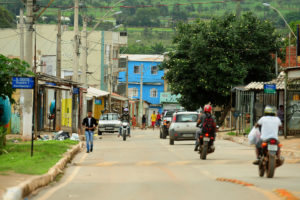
(169, 114)
(186, 118)
(109, 117)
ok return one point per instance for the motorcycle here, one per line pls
(206, 145)
(124, 130)
(269, 159)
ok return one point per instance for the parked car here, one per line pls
(183, 126)
(109, 122)
(165, 123)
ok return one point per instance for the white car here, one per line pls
(109, 122)
(183, 126)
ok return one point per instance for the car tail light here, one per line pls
(264, 144)
(201, 136)
(211, 138)
(273, 141)
(280, 145)
(206, 135)
(174, 118)
(176, 134)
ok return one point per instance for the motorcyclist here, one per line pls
(125, 118)
(206, 114)
(269, 125)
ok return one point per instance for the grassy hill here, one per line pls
(155, 25)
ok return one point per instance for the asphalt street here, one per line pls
(146, 168)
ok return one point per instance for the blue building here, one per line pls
(153, 83)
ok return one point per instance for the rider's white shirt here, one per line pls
(269, 127)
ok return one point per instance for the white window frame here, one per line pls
(152, 92)
(156, 71)
(139, 67)
(133, 92)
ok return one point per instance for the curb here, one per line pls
(244, 141)
(25, 188)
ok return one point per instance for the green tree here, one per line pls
(6, 19)
(212, 56)
(158, 48)
(8, 69)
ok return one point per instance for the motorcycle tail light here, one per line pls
(206, 135)
(273, 141)
(264, 144)
(211, 138)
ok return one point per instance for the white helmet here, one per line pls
(125, 109)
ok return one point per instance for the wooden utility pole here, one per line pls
(58, 74)
(75, 67)
(84, 52)
(127, 81)
(141, 96)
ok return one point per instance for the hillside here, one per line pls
(152, 21)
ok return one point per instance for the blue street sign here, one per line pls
(49, 83)
(270, 88)
(23, 82)
(75, 90)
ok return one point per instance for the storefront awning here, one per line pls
(94, 92)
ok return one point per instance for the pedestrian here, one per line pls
(158, 119)
(153, 119)
(89, 123)
(280, 115)
(144, 122)
(133, 121)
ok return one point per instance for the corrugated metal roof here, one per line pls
(143, 57)
(279, 81)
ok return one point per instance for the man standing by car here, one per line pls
(153, 119)
(89, 124)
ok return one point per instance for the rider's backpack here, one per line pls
(208, 125)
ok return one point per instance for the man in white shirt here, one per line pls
(270, 125)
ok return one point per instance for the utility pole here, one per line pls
(21, 34)
(76, 42)
(76, 66)
(141, 96)
(110, 71)
(58, 74)
(29, 32)
(289, 49)
(127, 82)
(27, 104)
(84, 52)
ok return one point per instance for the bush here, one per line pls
(2, 139)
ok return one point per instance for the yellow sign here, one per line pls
(66, 112)
(298, 59)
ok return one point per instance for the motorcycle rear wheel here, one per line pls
(204, 151)
(271, 166)
(261, 169)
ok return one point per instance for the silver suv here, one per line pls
(183, 126)
(109, 122)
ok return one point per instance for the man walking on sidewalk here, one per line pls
(89, 124)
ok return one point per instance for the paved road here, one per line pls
(148, 168)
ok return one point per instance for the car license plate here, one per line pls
(109, 128)
(206, 139)
(188, 135)
(272, 147)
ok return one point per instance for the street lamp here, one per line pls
(270, 6)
